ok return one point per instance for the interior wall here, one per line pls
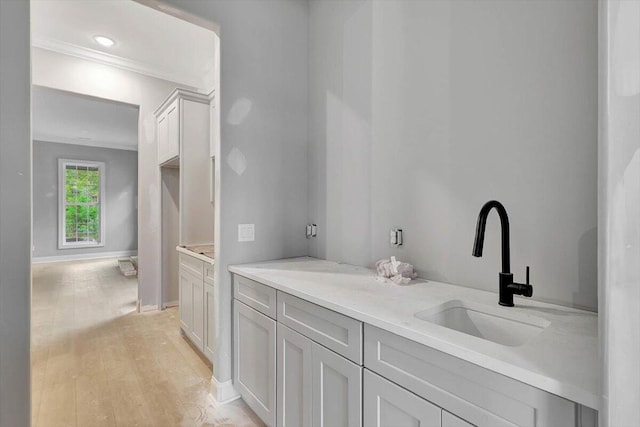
(15, 214)
(120, 198)
(170, 235)
(420, 112)
(81, 76)
(619, 204)
(262, 158)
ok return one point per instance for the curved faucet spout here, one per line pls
(504, 224)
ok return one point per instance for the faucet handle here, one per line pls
(527, 275)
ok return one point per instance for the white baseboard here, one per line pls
(170, 304)
(150, 307)
(222, 392)
(79, 257)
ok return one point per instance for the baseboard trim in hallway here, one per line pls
(80, 257)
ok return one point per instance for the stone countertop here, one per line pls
(562, 359)
(202, 252)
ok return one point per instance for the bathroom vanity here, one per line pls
(197, 296)
(327, 344)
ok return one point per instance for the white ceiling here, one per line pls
(69, 118)
(147, 40)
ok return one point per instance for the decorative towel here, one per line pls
(400, 273)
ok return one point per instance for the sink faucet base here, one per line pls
(506, 297)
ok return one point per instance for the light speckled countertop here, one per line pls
(562, 360)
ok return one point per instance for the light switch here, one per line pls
(246, 232)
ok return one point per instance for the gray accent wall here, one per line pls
(121, 194)
(421, 111)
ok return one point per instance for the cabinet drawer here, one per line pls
(208, 272)
(256, 295)
(191, 264)
(480, 396)
(333, 330)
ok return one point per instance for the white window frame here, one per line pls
(62, 203)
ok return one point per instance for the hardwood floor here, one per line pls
(96, 362)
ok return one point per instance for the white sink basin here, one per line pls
(499, 325)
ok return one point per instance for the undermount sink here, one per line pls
(499, 325)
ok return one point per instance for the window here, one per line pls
(81, 206)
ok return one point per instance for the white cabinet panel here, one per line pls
(163, 138)
(482, 397)
(386, 404)
(335, 331)
(210, 317)
(168, 128)
(255, 295)
(197, 332)
(255, 360)
(173, 132)
(449, 420)
(186, 300)
(295, 376)
(336, 390)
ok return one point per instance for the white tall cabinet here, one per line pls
(184, 122)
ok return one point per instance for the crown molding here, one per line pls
(110, 60)
(86, 143)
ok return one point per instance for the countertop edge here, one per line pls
(195, 255)
(542, 382)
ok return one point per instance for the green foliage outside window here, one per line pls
(82, 197)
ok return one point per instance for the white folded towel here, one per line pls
(400, 273)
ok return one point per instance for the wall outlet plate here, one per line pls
(246, 232)
(396, 237)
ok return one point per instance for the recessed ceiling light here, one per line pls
(104, 41)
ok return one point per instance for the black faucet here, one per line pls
(508, 287)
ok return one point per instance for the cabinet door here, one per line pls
(163, 138)
(173, 131)
(209, 320)
(197, 331)
(449, 420)
(336, 390)
(294, 378)
(186, 301)
(254, 357)
(387, 404)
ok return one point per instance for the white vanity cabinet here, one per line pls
(295, 376)
(476, 395)
(336, 390)
(254, 361)
(328, 369)
(315, 352)
(197, 294)
(387, 404)
(315, 386)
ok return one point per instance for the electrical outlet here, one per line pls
(395, 236)
(312, 230)
(246, 232)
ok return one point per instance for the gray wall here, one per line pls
(121, 188)
(263, 47)
(420, 112)
(15, 214)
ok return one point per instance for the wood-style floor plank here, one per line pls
(96, 362)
